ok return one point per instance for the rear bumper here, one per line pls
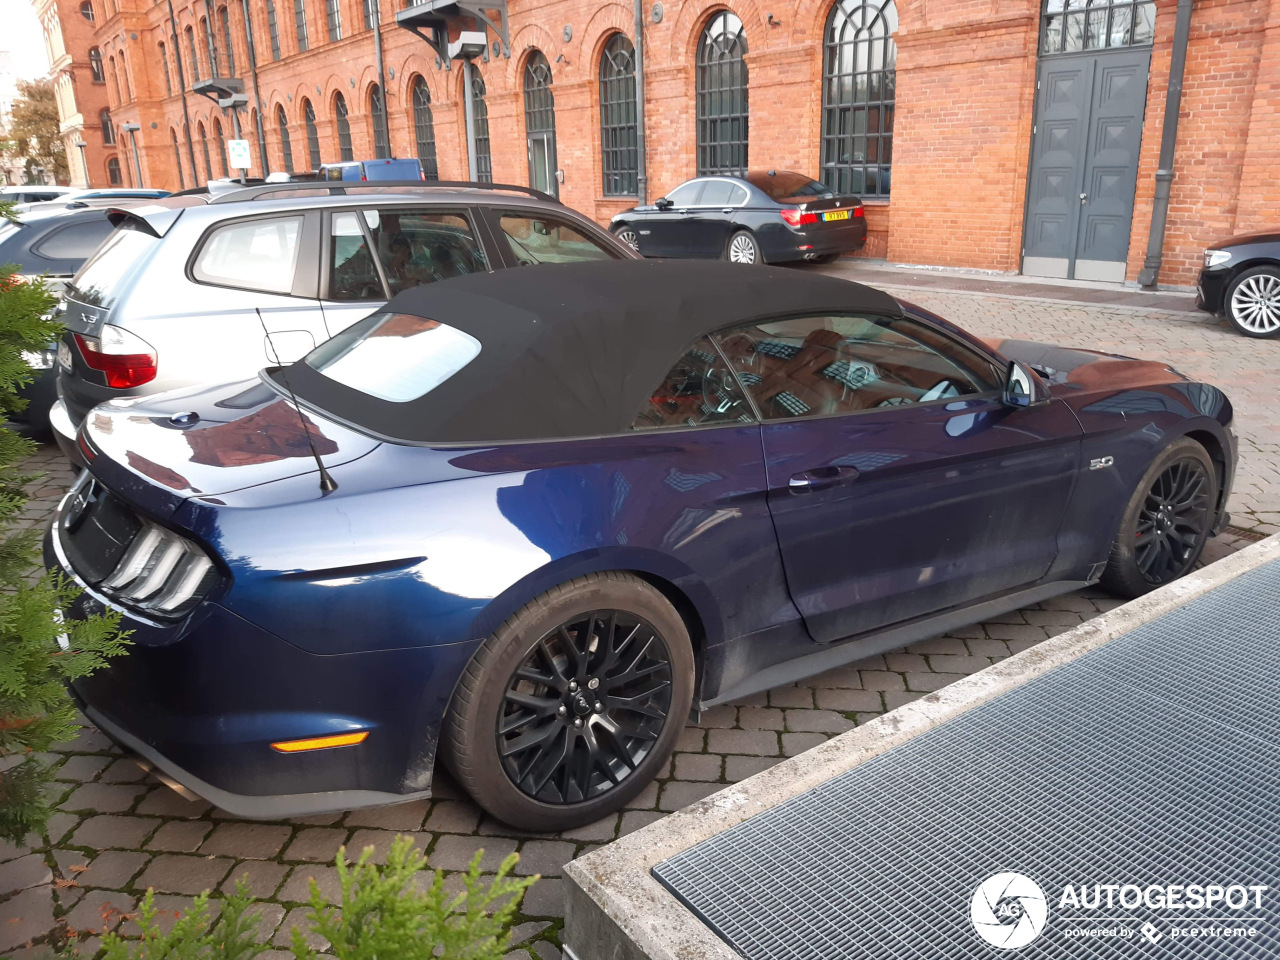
(788, 244)
(204, 700)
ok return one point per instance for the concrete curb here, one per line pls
(615, 910)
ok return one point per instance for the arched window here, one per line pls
(95, 65)
(177, 158)
(255, 131)
(1070, 26)
(224, 21)
(858, 77)
(424, 129)
(539, 102)
(313, 135)
(195, 57)
(722, 96)
(273, 29)
(108, 128)
(164, 68)
(209, 48)
(222, 147)
(286, 148)
(540, 122)
(203, 137)
(113, 172)
(344, 128)
(378, 113)
(480, 112)
(618, 117)
(115, 78)
(300, 21)
(86, 11)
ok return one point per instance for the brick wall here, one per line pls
(965, 103)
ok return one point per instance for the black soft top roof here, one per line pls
(573, 350)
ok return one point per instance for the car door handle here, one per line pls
(821, 477)
(727, 210)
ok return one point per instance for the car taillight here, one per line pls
(796, 217)
(161, 572)
(859, 212)
(123, 357)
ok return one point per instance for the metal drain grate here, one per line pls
(1152, 760)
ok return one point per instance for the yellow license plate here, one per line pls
(836, 215)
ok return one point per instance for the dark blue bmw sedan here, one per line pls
(524, 523)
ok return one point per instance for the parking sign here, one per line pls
(238, 154)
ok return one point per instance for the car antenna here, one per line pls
(327, 483)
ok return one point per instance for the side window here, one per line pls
(544, 240)
(353, 276)
(76, 242)
(819, 366)
(422, 246)
(720, 193)
(252, 254)
(686, 194)
(698, 391)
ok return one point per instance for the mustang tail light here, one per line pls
(796, 217)
(161, 572)
(123, 357)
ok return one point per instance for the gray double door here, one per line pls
(1084, 164)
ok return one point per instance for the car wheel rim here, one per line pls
(742, 250)
(629, 238)
(1255, 304)
(1172, 521)
(585, 707)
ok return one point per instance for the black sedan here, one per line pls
(51, 243)
(765, 216)
(1241, 280)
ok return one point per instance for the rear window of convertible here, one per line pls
(394, 356)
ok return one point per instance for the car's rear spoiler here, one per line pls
(155, 219)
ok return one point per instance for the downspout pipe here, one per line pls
(642, 178)
(382, 76)
(1149, 276)
(182, 85)
(260, 132)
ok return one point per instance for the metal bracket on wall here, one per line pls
(430, 21)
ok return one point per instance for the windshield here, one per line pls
(783, 185)
(394, 356)
(103, 276)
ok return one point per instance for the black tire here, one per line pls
(743, 248)
(627, 234)
(1175, 521)
(1252, 302)
(470, 742)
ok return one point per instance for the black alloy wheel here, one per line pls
(585, 708)
(1173, 521)
(1166, 522)
(570, 708)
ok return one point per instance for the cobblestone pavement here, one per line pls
(118, 831)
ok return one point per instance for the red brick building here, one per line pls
(928, 107)
(79, 85)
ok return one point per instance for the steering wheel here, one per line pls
(718, 389)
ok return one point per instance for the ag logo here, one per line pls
(1008, 910)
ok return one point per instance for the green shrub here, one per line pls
(35, 711)
(386, 911)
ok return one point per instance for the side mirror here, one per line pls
(1022, 388)
(662, 203)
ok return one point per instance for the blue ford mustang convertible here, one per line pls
(526, 522)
